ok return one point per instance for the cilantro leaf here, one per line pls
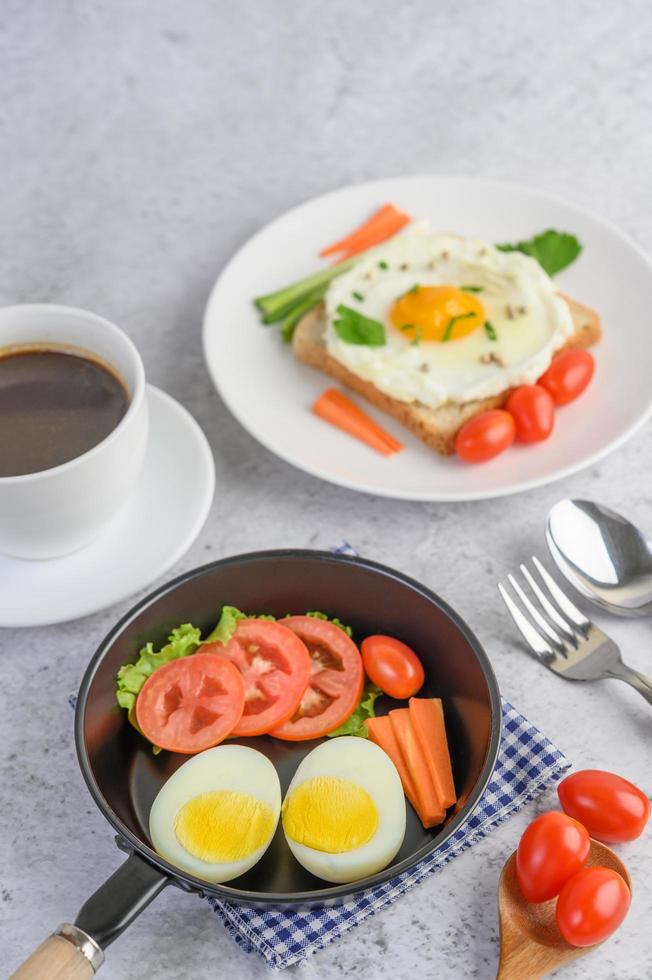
(354, 328)
(355, 723)
(182, 641)
(553, 250)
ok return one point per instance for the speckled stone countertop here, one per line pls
(141, 143)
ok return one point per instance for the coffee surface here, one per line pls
(54, 406)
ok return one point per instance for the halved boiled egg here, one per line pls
(344, 812)
(216, 815)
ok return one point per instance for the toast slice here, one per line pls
(437, 427)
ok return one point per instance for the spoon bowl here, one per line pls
(531, 944)
(603, 555)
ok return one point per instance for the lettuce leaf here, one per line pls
(182, 641)
(335, 621)
(355, 723)
(226, 625)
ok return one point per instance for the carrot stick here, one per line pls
(381, 732)
(427, 716)
(333, 406)
(382, 225)
(430, 810)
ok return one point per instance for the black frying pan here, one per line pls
(124, 776)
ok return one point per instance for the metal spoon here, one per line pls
(531, 944)
(602, 555)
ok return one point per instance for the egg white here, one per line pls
(473, 366)
(226, 767)
(364, 763)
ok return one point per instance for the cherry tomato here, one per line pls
(568, 375)
(611, 808)
(591, 905)
(485, 436)
(336, 679)
(393, 666)
(551, 849)
(191, 704)
(275, 666)
(534, 412)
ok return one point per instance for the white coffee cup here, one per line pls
(57, 511)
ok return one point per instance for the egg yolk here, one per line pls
(223, 825)
(439, 313)
(330, 814)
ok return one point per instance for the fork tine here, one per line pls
(553, 637)
(550, 610)
(562, 600)
(532, 637)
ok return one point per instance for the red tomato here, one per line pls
(611, 808)
(276, 669)
(335, 682)
(393, 666)
(190, 704)
(534, 413)
(551, 849)
(591, 906)
(485, 436)
(568, 375)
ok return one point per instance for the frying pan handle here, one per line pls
(76, 952)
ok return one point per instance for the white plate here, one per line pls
(157, 525)
(270, 393)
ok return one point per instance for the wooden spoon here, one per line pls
(531, 944)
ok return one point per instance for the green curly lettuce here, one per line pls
(335, 621)
(182, 641)
(355, 723)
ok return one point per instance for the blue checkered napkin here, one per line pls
(527, 764)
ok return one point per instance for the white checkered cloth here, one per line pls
(527, 764)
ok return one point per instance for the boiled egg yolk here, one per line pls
(330, 814)
(439, 313)
(223, 825)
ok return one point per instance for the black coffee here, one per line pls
(54, 406)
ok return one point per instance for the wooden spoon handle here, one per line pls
(69, 954)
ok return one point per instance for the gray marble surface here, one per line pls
(141, 143)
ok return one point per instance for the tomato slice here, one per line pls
(191, 704)
(276, 669)
(336, 679)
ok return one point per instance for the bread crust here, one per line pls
(436, 427)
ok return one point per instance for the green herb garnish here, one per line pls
(417, 337)
(553, 250)
(451, 323)
(472, 289)
(383, 265)
(357, 295)
(355, 723)
(490, 330)
(354, 328)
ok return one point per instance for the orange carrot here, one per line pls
(382, 225)
(430, 810)
(381, 732)
(427, 716)
(333, 406)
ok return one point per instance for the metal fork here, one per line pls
(561, 636)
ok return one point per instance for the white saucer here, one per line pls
(156, 527)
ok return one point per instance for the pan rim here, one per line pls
(331, 894)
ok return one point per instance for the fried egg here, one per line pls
(462, 319)
(344, 811)
(216, 815)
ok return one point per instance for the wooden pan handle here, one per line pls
(69, 954)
